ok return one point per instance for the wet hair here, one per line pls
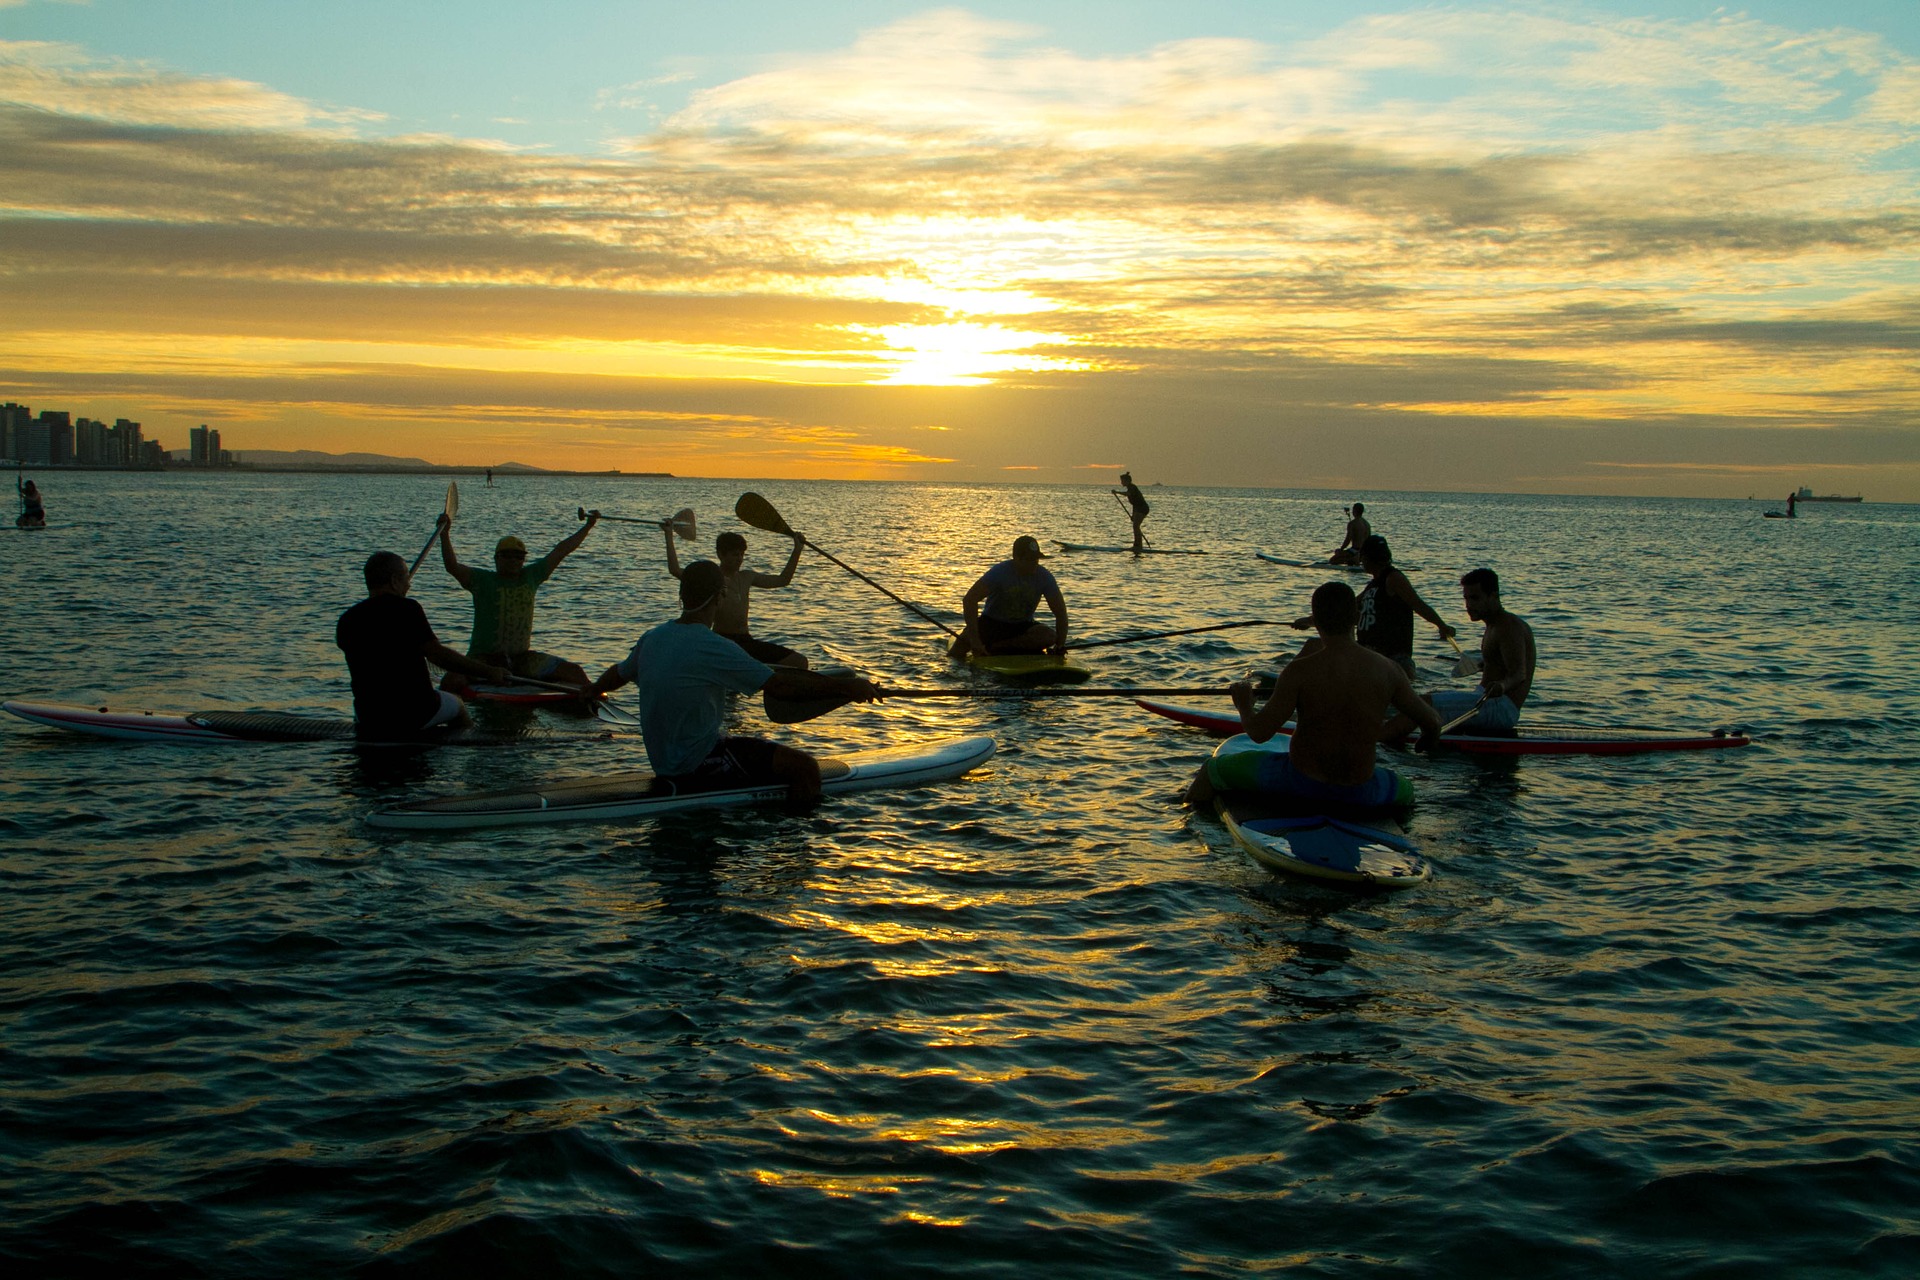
(383, 567)
(700, 583)
(1374, 547)
(729, 542)
(1334, 608)
(1486, 579)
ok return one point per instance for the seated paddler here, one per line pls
(1339, 694)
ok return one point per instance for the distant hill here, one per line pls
(305, 458)
(381, 463)
(314, 458)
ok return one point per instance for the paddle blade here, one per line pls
(1467, 665)
(796, 710)
(758, 512)
(683, 524)
(453, 500)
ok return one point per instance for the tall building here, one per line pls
(13, 431)
(213, 448)
(123, 442)
(197, 446)
(90, 443)
(37, 449)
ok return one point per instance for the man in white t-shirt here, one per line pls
(684, 672)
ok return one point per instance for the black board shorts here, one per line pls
(733, 762)
(762, 650)
(994, 631)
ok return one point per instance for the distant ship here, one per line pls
(1807, 495)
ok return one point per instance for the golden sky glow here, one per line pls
(1494, 247)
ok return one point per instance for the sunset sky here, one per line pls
(1635, 248)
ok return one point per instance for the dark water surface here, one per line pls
(1652, 1015)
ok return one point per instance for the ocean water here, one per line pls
(1653, 1015)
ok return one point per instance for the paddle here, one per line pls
(1465, 666)
(1471, 712)
(1162, 635)
(758, 512)
(602, 708)
(451, 510)
(682, 522)
(794, 710)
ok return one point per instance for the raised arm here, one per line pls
(461, 574)
(785, 576)
(673, 556)
(571, 543)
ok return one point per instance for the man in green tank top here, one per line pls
(503, 605)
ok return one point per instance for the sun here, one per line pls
(964, 354)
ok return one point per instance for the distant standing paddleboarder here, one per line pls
(1137, 508)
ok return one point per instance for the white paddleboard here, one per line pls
(640, 794)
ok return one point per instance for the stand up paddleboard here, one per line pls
(641, 794)
(1030, 668)
(1310, 564)
(1364, 849)
(225, 726)
(1527, 740)
(1145, 551)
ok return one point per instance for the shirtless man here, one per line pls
(730, 619)
(1340, 694)
(1506, 664)
(1358, 531)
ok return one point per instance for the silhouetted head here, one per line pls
(1027, 548)
(700, 584)
(385, 569)
(1374, 550)
(1334, 610)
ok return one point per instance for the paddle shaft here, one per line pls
(581, 513)
(449, 509)
(760, 513)
(1162, 635)
(1457, 721)
(905, 604)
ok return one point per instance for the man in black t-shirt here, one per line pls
(388, 642)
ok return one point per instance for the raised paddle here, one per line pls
(758, 512)
(1162, 635)
(794, 710)
(451, 510)
(682, 522)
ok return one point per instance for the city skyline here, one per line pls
(1660, 249)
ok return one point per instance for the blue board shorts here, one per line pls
(1272, 773)
(1499, 715)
